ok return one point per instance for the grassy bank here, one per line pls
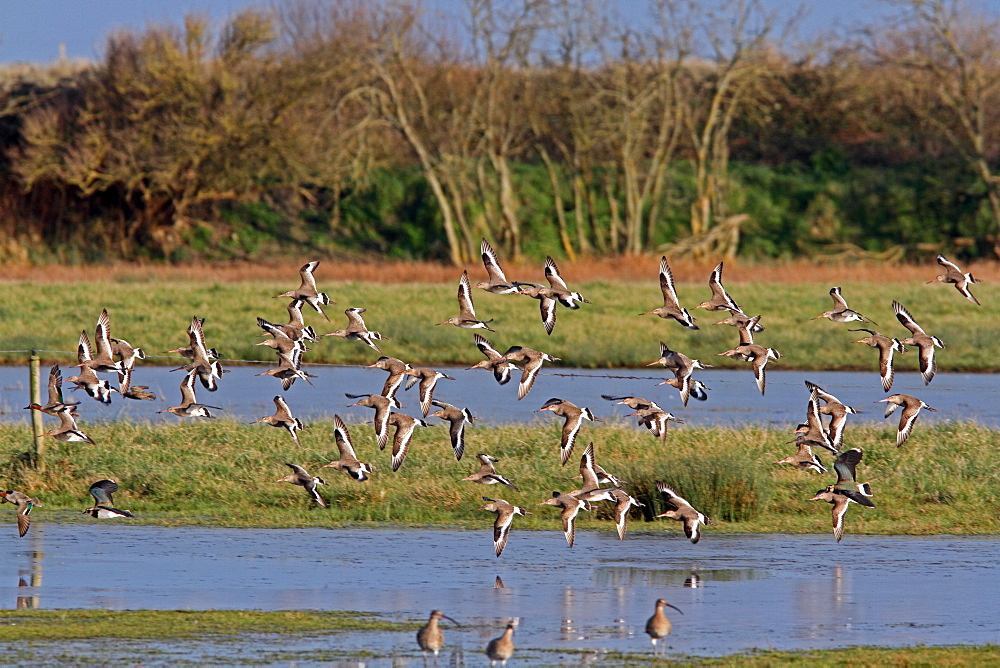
(276, 632)
(607, 333)
(944, 480)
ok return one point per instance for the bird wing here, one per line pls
(102, 491)
(905, 318)
(492, 265)
(354, 320)
(947, 264)
(547, 307)
(839, 510)
(486, 347)
(587, 469)
(528, 374)
(457, 432)
(718, 291)
(928, 364)
(501, 527)
(401, 440)
(845, 466)
(906, 421)
(667, 285)
(283, 412)
(759, 363)
(885, 352)
(187, 388)
(427, 385)
(839, 303)
(552, 274)
(102, 336)
(343, 439)
(568, 515)
(84, 351)
(466, 310)
(308, 280)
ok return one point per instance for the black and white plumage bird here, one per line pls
(283, 418)
(348, 462)
(457, 418)
(103, 508)
(682, 511)
(671, 306)
(299, 476)
(466, 317)
(840, 497)
(307, 291)
(501, 525)
(923, 341)
(574, 417)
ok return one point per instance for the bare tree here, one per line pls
(949, 63)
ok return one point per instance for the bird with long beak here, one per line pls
(840, 311)
(466, 317)
(911, 409)
(430, 638)
(957, 277)
(501, 525)
(307, 291)
(574, 416)
(658, 626)
(671, 306)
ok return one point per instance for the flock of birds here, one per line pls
(110, 355)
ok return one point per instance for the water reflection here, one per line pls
(631, 576)
(30, 575)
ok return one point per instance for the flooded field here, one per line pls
(733, 398)
(736, 592)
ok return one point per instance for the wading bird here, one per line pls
(671, 306)
(682, 511)
(840, 497)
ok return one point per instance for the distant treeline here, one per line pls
(546, 125)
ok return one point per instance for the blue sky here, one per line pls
(32, 30)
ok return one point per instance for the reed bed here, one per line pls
(943, 480)
(607, 333)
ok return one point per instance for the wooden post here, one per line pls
(35, 385)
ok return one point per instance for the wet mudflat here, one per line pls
(733, 399)
(737, 592)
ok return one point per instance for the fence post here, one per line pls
(35, 385)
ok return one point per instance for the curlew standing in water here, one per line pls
(502, 648)
(430, 638)
(658, 626)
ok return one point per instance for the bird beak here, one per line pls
(451, 620)
(819, 316)
(654, 362)
(675, 608)
(647, 313)
(881, 401)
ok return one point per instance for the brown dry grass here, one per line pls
(625, 269)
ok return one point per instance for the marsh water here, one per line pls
(737, 592)
(733, 398)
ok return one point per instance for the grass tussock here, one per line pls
(607, 333)
(944, 480)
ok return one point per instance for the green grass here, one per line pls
(606, 333)
(851, 657)
(944, 480)
(89, 624)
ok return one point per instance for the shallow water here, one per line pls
(733, 399)
(736, 592)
